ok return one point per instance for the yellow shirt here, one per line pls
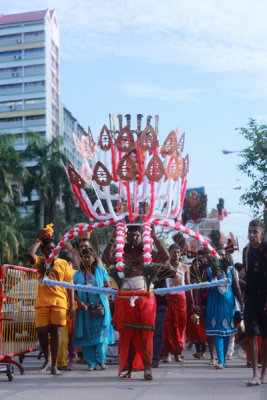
(54, 295)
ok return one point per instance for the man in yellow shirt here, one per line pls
(51, 302)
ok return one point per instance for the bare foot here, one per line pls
(45, 365)
(178, 358)
(148, 375)
(102, 366)
(128, 374)
(264, 379)
(55, 371)
(255, 381)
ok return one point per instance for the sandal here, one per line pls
(65, 368)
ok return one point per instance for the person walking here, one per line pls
(255, 315)
(92, 334)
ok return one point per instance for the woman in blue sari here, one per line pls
(92, 334)
(221, 307)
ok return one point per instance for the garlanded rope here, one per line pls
(161, 292)
(147, 242)
(187, 231)
(120, 243)
(78, 231)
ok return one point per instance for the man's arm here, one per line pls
(189, 294)
(236, 289)
(161, 255)
(71, 303)
(108, 256)
(31, 253)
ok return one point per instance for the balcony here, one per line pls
(34, 122)
(10, 40)
(10, 108)
(10, 124)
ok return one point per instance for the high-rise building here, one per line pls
(68, 126)
(29, 74)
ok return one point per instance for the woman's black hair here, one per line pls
(238, 266)
(93, 267)
(132, 151)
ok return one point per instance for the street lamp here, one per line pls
(230, 151)
(240, 212)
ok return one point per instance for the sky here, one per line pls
(201, 66)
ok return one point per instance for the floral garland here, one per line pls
(78, 231)
(147, 242)
(120, 243)
(188, 232)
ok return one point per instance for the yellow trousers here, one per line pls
(63, 351)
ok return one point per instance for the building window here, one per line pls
(34, 117)
(36, 52)
(10, 55)
(35, 69)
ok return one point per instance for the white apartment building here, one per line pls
(68, 126)
(29, 74)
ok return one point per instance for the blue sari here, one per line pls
(92, 331)
(221, 307)
(220, 314)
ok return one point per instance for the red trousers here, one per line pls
(175, 324)
(136, 328)
(195, 333)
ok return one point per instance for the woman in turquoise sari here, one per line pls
(221, 307)
(92, 334)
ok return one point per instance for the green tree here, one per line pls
(11, 240)
(12, 174)
(48, 177)
(254, 165)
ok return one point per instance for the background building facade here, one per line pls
(29, 74)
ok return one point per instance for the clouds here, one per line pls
(152, 91)
(210, 36)
(225, 37)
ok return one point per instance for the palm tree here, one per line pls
(12, 170)
(11, 240)
(12, 173)
(48, 177)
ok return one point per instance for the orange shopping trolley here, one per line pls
(18, 336)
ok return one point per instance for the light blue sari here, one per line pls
(92, 331)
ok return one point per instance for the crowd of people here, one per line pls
(152, 329)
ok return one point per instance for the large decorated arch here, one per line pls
(150, 179)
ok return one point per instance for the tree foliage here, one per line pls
(48, 178)
(12, 174)
(254, 165)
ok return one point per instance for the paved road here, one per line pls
(192, 379)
